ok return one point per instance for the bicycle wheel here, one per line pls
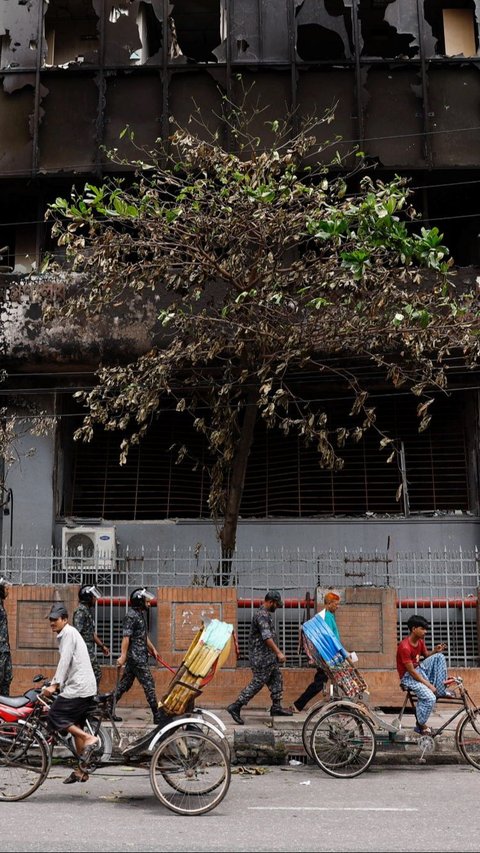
(190, 772)
(24, 761)
(104, 753)
(343, 743)
(222, 742)
(309, 725)
(467, 737)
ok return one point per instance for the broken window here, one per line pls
(383, 29)
(454, 25)
(16, 108)
(18, 34)
(71, 32)
(150, 32)
(324, 30)
(245, 32)
(133, 31)
(196, 24)
(19, 220)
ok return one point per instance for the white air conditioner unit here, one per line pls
(88, 554)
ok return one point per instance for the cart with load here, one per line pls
(187, 753)
(341, 734)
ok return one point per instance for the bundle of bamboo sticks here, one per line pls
(209, 644)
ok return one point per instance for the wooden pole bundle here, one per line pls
(197, 663)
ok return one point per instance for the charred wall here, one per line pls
(403, 76)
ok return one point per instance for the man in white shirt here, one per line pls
(76, 685)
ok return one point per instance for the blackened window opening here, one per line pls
(151, 27)
(434, 16)
(71, 31)
(380, 39)
(316, 43)
(197, 27)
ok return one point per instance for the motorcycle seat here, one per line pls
(15, 701)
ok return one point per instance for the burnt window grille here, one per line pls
(283, 478)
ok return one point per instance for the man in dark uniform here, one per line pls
(6, 673)
(84, 622)
(265, 657)
(136, 646)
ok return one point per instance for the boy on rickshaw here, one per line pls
(422, 672)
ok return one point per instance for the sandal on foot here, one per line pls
(74, 777)
(423, 730)
(89, 750)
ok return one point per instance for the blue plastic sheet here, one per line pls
(324, 641)
(216, 634)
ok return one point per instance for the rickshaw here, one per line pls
(342, 734)
(187, 753)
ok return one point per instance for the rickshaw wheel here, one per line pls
(343, 743)
(190, 772)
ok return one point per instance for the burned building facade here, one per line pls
(403, 77)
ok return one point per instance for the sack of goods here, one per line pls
(208, 651)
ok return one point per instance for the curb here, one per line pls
(272, 746)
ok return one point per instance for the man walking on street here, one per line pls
(265, 657)
(136, 647)
(6, 672)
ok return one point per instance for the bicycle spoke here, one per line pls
(24, 762)
(190, 773)
(343, 743)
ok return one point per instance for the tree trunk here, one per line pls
(228, 533)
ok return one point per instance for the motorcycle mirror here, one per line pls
(37, 678)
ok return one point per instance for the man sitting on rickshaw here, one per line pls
(422, 672)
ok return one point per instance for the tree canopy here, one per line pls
(263, 265)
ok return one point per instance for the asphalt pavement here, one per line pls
(387, 809)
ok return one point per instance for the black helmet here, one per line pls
(139, 598)
(87, 593)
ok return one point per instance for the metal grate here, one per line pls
(283, 477)
(443, 586)
(287, 625)
(459, 633)
(109, 628)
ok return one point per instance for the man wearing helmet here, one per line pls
(136, 646)
(6, 673)
(84, 622)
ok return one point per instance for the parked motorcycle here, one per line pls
(15, 708)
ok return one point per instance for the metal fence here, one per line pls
(442, 586)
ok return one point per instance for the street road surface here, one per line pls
(429, 808)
